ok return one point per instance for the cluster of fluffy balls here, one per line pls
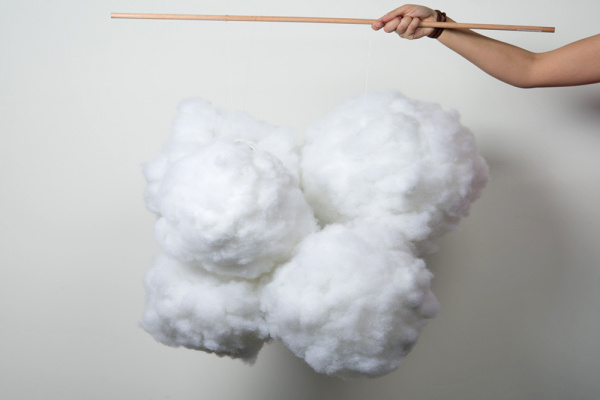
(316, 245)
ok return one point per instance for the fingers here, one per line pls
(411, 30)
(405, 21)
(399, 24)
(392, 25)
(377, 25)
(398, 13)
(405, 27)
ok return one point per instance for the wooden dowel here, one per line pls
(424, 24)
(459, 25)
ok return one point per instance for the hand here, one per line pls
(405, 21)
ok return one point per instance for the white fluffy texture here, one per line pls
(199, 123)
(189, 307)
(226, 191)
(245, 260)
(350, 303)
(389, 156)
(234, 210)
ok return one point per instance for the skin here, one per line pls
(577, 63)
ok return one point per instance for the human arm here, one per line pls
(577, 63)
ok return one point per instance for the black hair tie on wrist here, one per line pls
(441, 17)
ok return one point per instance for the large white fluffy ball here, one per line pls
(185, 306)
(351, 302)
(232, 209)
(384, 156)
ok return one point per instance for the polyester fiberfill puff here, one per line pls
(228, 205)
(226, 193)
(189, 307)
(387, 156)
(234, 210)
(318, 247)
(351, 303)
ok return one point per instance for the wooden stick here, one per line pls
(424, 24)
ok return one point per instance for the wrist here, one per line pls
(440, 17)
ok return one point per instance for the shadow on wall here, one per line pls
(498, 280)
(587, 104)
(284, 376)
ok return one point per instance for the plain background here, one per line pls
(85, 100)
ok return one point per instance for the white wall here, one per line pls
(84, 100)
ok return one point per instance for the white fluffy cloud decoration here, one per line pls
(316, 246)
(388, 156)
(233, 209)
(350, 303)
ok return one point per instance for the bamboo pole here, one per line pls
(424, 24)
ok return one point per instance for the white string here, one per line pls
(367, 69)
(248, 67)
(229, 64)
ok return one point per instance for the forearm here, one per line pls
(577, 63)
(503, 61)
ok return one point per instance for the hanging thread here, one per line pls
(368, 66)
(229, 64)
(249, 65)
